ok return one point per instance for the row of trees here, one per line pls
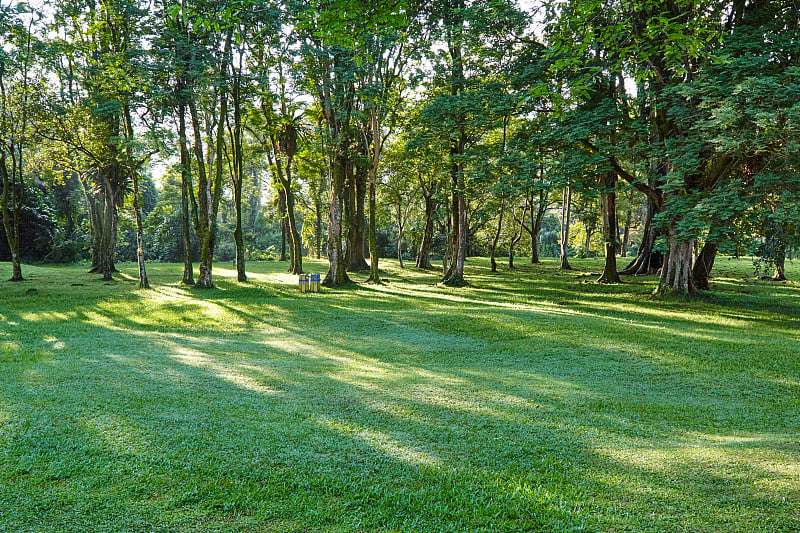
(481, 116)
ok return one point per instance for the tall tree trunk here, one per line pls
(608, 212)
(566, 208)
(701, 272)
(377, 146)
(426, 243)
(497, 235)
(211, 193)
(337, 272)
(186, 186)
(238, 178)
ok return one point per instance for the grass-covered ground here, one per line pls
(533, 400)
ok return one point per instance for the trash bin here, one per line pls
(304, 279)
(314, 284)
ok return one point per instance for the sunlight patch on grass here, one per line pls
(230, 373)
(381, 441)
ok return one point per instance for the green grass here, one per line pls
(532, 400)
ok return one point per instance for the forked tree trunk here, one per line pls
(566, 208)
(608, 212)
(11, 204)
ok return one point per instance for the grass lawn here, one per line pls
(532, 400)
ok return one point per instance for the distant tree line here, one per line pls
(663, 131)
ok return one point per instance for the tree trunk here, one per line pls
(517, 238)
(701, 272)
(358, 227)
(566, 207)
(537, 216)
(186, 184)
(626, 233)
(648, 260)
(133, 175)
(284, 222)
(337, 272)
(400, 234)
(238, 178)
(497, 235)
(12, 193)
(780, 263)
(608, 212)
(318, 225)
(425, 245)
(296, 248)
(676, 274)
(455, 274)
(210, 194)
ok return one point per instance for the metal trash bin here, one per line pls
(304, 282)
(314, 283)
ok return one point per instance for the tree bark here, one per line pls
(284, 222)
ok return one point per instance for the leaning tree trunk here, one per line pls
(608, 212)
(296, 249)
(701, 272)
(497, 235)
(566, 207)
(676, 274)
